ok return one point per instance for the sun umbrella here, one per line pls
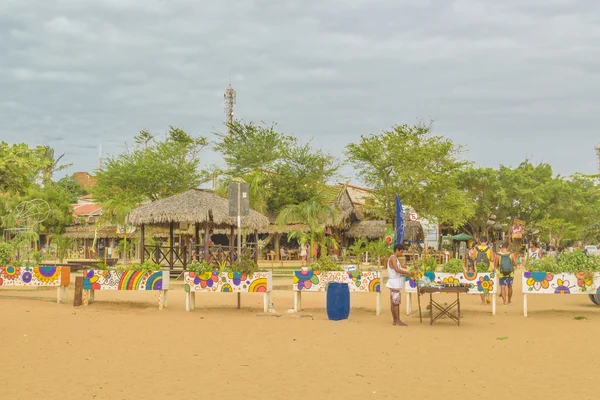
(462, 237)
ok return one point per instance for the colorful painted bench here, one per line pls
(317, 281)
(41, 276)
(562, 283)
(227, 282)
(479, 283)
(95, 279)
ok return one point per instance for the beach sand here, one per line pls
(123, 347)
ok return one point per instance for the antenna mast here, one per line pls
(230, 100)
(597, 148)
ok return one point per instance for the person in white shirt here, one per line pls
(395, 283)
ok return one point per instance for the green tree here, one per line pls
(315, 213)
(483, 186)
(420, 167)
(300, 175)
(69, 185)
(247, 146)
(50, 164)
(151, 170)
(20, 166)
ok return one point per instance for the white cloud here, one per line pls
(486, 71)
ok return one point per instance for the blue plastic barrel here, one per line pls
(338, 301)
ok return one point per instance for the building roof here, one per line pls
(86, 209)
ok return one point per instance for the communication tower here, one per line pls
(230, 99)
(597, 148)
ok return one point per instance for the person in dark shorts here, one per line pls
(505, 266)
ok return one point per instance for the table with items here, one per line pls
(444, 310)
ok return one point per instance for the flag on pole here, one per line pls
(399, 221)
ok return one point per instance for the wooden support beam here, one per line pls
(142, 244)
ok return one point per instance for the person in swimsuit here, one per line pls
(395, 283)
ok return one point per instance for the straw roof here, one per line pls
(371, 229)
(88, 232)
(193, 206)
(375, 229)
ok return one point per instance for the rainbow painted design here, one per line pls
(562, 283)
(260, 282)
(125, 280)
(35, 276)
(316, 281)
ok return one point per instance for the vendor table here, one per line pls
(443, 310)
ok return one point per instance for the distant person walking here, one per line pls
(395, 283)
(303, 254)
(534, 253)
(505, 266)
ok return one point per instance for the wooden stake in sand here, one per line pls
(78, 298)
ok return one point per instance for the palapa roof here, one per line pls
(193, 206)
(375, 229)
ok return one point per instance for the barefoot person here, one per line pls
(395, 283)
(505, 265)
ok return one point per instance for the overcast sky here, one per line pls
(507, 79)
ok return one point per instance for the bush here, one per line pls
(483, 267)
(326, 264)
(6, 250)
(568, 262)
(199, 267)
(245, 265)
(454, 266)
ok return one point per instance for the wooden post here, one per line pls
(232, 243)
(171, 243)
(256, 242)
(196, 239)
(78, 297)
(142, 244)
(206, 240)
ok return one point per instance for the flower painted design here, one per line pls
(451, 280)
(237, 277)
(226, 288)
(92, 278)
(485, 284)
(583, 279)
(355, 276)
(562, 288)
(11, 273)
(305, 279)
(538, 280)
(206, 279)
(26, 277)
(47, 274)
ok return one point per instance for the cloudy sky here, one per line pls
(507, 79)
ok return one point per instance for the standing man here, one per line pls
(395, 283)
(505, 265)
(484, 255)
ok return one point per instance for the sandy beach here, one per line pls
(123, 347)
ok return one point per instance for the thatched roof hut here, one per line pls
(193, 206)
(375, 229)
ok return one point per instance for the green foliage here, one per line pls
(37, 257)
(199, 267)
(146, 266)
(453, 266)
(325, 264)
(245, 265)
(420, 167)
(378, 249)
(482, 267)
(152, 170)
(71, 187)
(6, 251)
(427, 264)
(63, 244)
(246, 146)
(358, 248)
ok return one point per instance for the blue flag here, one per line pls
(399, 221)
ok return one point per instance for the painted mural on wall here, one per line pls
(479, 282)
(233, 282)
(34, 276)
(316, 281)
(125, 280)
(562, 283)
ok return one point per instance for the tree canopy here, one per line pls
(420, 167)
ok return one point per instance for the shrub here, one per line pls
(6, 250)
(454, 266)
(199, 267)
(325, 264)
(245, 265)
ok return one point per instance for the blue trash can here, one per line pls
(338, 301)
